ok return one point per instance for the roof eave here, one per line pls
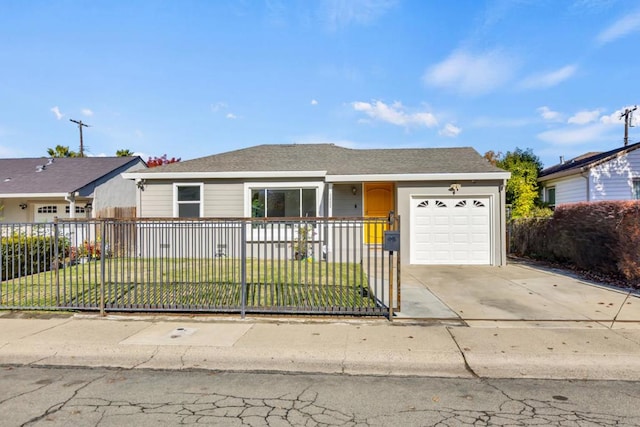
(32, 195)
(328, 178)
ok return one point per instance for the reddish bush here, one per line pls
(602, 237)
(162, 160)
(87, 249)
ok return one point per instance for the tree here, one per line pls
(492, 156)
(125, 152)
(162, 160)
(522, 187)
(61, 151)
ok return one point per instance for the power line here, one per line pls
(80, 125)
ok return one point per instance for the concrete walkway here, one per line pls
(510, 322)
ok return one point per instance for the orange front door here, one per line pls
(378, 201)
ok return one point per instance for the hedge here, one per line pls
(601, 237)
(24, 255)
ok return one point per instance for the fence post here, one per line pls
(56, 254)
(103, 256)
(391, 225)
(243, 268)
(398, 262)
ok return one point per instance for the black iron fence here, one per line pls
(302, 266)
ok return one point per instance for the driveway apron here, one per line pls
(516, 292)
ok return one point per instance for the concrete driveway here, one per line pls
(516, 293)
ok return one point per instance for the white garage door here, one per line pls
(450, 230)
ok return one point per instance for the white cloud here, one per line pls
(472, 74)
(314, 102)
(57, 112)
(616, 117)
(549, 114)
(87, 112)
(342, 13)
(231, 116)
(549, 79)
(575, 135)
(584, 117)
(395, 114)
(450, 130)
(622, 27)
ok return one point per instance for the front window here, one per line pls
(283, 202)
(551, 196)
(636, 188)
(188, 200)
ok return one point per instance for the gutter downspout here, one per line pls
(585, 175)
(71, 198)
(503, 224)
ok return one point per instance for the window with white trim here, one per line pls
(551, 196)
(283, 202)
(187, 200)
(636, 189)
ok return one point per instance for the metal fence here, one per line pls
(298, 266)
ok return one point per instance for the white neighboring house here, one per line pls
(611, 175)
(451, 200)
(40, 189)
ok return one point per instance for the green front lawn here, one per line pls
(192, 283)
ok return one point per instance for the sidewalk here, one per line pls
(588, 350)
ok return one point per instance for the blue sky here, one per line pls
(194, 78)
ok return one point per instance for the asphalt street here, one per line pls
(45, 396)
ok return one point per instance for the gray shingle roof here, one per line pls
(337, 160)
(586, 160)
(63, 175)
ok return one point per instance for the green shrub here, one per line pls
(22, 255)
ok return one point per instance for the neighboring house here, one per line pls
(39, 189)
(451, 200)
(613, 175)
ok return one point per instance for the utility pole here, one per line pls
(80, 125)
(628, 115)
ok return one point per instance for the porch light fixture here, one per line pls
(454, 188)
(23, 206)
(354, 190)
(88, 206)
(141, 183)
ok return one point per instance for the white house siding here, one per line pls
(489, 191)
(613, 180)
(569, 190)
(345, 203)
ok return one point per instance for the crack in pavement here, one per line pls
(43, 385)
(155, 352)
(468, 402)
(58, 406)
(464, 357)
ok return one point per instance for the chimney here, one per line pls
(562, 160)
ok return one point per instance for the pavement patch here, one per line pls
(194, 334)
